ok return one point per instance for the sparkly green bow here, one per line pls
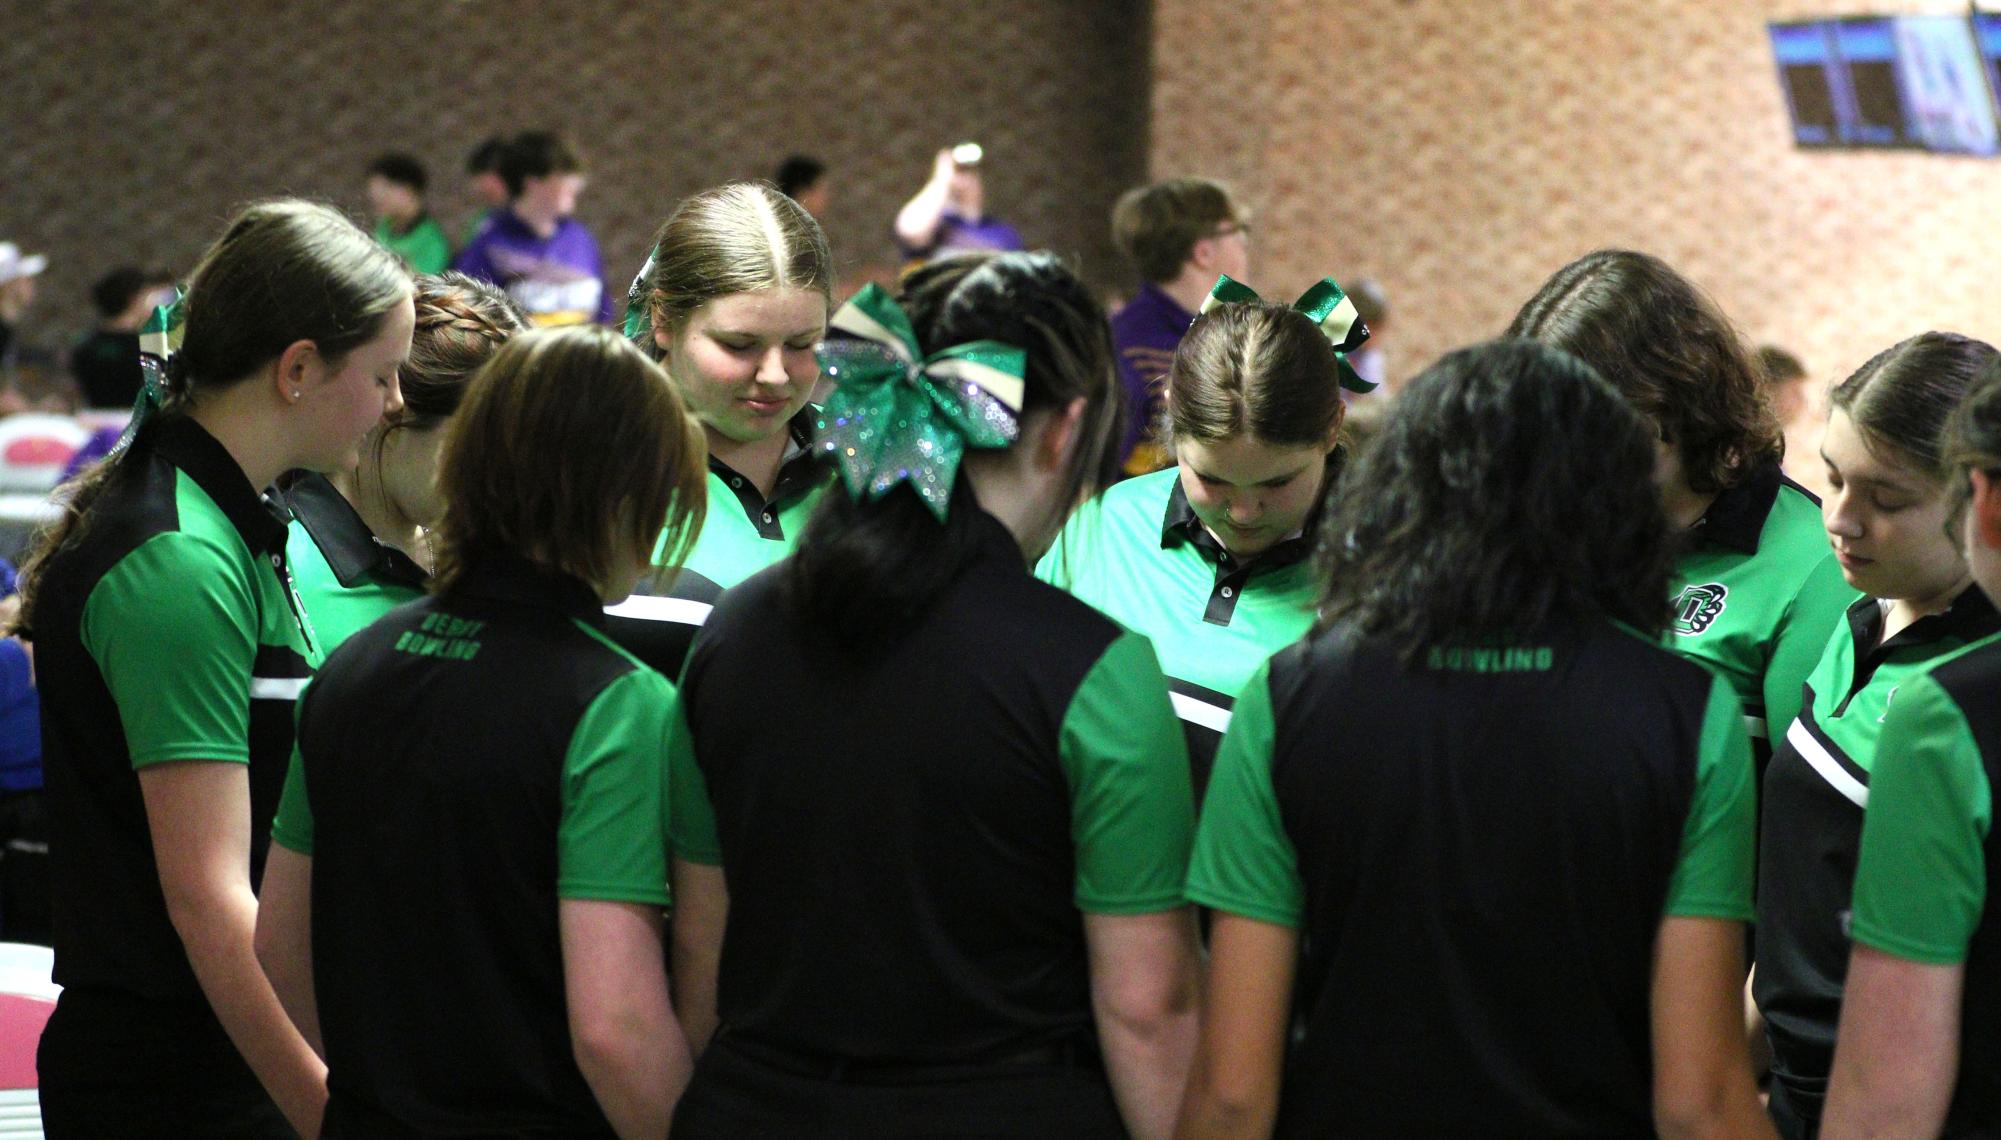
(1326, 305)
(638, 314)
(159, 340)
(897, 416)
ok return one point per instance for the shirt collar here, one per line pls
(1181, 525)
(798, 472)
(350, 548)
(1736, 518)
(1970, 617)
(512, 578)
(187, 445)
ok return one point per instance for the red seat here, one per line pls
(21, 1021)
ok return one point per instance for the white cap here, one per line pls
(14, 266)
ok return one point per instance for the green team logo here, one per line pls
(1697, 606)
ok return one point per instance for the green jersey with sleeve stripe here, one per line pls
(1813, 799)
(466, 767)
(1477, 849)
(1756, 594)
(166, 631)
(1929, 852)
(1141, 557)
(914, 824)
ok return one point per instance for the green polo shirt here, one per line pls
(1756, 595)
(1814, 795)
(165, 632)
(346, 577)
(1141, 557)
(744, 532)
(1921, 880)
(424, 246)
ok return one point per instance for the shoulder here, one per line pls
(1969, 676)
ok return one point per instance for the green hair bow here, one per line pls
(1326, 304)
(639, 315)
(897, 416)
(159, 341)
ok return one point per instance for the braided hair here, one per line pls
(460, 322)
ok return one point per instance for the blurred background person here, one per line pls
(1182, 234)
(1801, 407)
(949, 215)
(17, 291)
(106, 362)
(803, 178)
(545, 259)
(396, 185)
(483, 181)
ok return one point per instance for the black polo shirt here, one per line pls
(346, 576)
(911, 835)
(462, 765)
(169, 632)
(1477, 858)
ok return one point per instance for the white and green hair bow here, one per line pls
(899, 416)
(1326, 305)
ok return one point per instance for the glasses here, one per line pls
(1231, 229)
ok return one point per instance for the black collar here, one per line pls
(1181, 525)
(1737, 517)
(1970, 617)
(187, 445)
(350, 548)
(512, 578)
(798, 472)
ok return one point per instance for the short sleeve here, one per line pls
(1921, 878)
(1244, 862)
(292, 827)
(692, 830)
(1712, 879)
(173, 630)
(1817, 610)
(1132, 809)
(611, 845)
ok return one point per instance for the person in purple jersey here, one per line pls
(544, 258)
(949, 215)
(1182, 234)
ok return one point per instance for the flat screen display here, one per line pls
(1943, 78)
(1868, 49)
(1808, 72)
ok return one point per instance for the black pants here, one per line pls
(735, 1098)
(116, 1065)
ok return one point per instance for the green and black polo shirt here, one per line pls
(1814, 795)
(169, 632)
(913, 831)
(1929, 853)
(462, 765)
(346, 576)
(1756, 595)
(1477, 857)
(1141, 557)
(742, 534)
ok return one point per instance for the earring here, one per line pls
(295, 393)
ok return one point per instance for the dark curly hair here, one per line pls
(1510, 488)
(1666, 346)
(863, 571)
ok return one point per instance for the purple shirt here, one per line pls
(1144, 335)
(959, 234)
(558, 280)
